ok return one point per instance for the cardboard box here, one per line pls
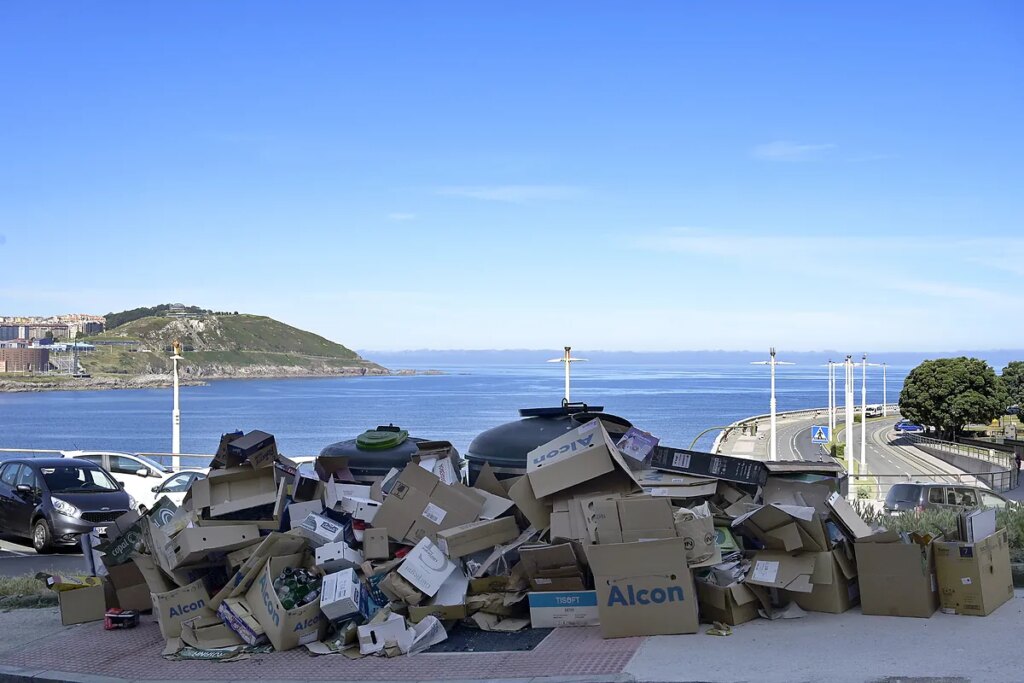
(643, 589)
(469, 538)
(130, 588)
(274, 545)
(297, 512)
(178, 605)
(536, 511)
(256, 448)
(563, 608)
(320, 530)
(834, 587)
(237, 616)
(553, 567)
(194, 544)
(580, 455)
(306, 485)
(332, 468)
(336, 557)
(449, 602)
(373, 637)
(82, 605)
(696, 526)
(335, 492)
(222, 459)
(678, 486)
(974, 578)
(285, 628)
(740, 470)
(364, 509)
(419, 505)
(342, 595)
(230, 490)
(785, 527)
(426, 567)
(782, 570)
(208, 633)
(733, 605)
(628, 520)
(843, 513)
(896, 579)
(376, 545)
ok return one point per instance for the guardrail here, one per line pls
(891, 408)
(1002, 472)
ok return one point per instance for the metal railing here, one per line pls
(1002, 474)
(991, 455)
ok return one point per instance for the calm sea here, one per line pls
(673, 402)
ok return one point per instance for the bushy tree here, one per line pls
(1013, 382)
(950, 393)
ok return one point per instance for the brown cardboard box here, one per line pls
(257, 449)
(834, 586)
(580, 455)
(553, 567)
(785, 527)
(419, 506)
(376, 545)
(643, 589)
(178, 605)
(782, 570)
(81, 605)
(466, 539)
(130, 588)
(274, 545)
(896, 579)
(285, 629)
(536, 511)
(627, 520)
(974, 578)
(230, 490)
(194, 544)
(333, 468)
(735, 604)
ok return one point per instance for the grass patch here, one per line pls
(19, 592)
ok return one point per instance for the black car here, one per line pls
(53, 500)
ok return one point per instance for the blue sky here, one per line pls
(524, 175)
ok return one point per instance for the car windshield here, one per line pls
(154, 464)
(77, 479)
(903, 493)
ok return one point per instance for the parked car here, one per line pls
(907, 426)
(873, 411)
(52, 501)
(139, 474)
(921, 496)
(174, 487)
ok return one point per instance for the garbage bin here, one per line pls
(372, 454)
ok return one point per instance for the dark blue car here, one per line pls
(907, 426)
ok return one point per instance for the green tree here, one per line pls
(950, 393)
(1013, 382)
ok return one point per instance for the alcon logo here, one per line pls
(310, 623)
(578, 444)
(267, 602)
(181, 610)
(644, 596)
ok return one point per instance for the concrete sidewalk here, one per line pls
(846, 648)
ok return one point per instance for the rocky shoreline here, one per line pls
(39, 383)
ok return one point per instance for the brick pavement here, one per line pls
(135, 654)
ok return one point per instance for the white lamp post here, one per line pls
(773, 453)
(848, 427)
(568, 360)
(176, 413)
(885, 400)
(864, 415)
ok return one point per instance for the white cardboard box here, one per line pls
(341, 595)
(563, 608)
(319, 530)
(335, 557)
(426, 567)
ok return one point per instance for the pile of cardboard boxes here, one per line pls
(639, 541)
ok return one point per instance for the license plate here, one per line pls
(101, 529)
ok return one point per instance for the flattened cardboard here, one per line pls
(449, 602)
(178, 605)
(580, 455)
(565, 608)
(733, 605)
(974, 578)
(896, 579)
(231, 490)
(847, 517)
(208, 633)
(536, 511)
(466, 539)
(643, 589)
(785, 527)
(419, 506)
(487, 481)
(82, 605)
(782, 570)
(426, 567)
(130, 588)
(285, 629)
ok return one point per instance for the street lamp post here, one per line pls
(885, 400)
(176, 412)
(831, 398)
(773, 453)
(848, 404)
(568, 360)
(864, 415)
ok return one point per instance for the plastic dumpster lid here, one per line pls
(564, 409)
(381, 438)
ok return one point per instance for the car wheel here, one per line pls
(42, 539)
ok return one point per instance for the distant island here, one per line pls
(134, 351)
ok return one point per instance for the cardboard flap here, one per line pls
(786, 537)
(741, 594)
(775, 569)
(797, 493)
(846, 565)
(881, 537)
(487, 481)
(824, 567)
(537, 512)
(713, 595)
(659, 557)
(847, 517)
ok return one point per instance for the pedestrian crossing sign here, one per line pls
(819, 434)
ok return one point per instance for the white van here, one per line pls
(138, 473)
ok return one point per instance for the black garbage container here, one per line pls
(372, 454)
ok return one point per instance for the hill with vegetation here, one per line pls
(219, 345)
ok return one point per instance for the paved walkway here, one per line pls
(842, 648)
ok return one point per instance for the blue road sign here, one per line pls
(820, 434)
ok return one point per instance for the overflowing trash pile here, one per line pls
(630, 536)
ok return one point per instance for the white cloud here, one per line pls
(787, 150)
(398, 216)
(516, 194)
